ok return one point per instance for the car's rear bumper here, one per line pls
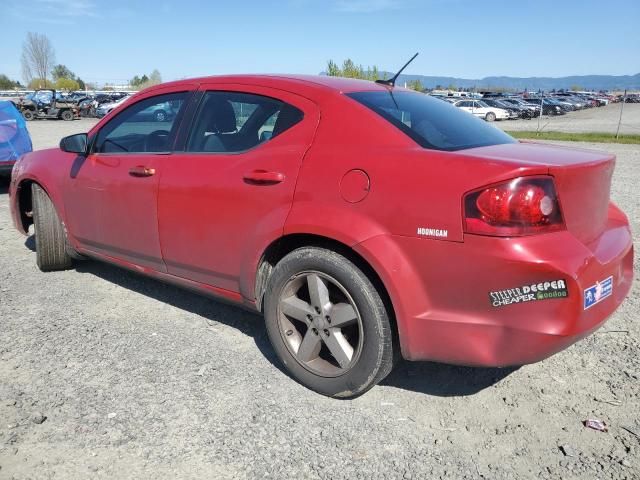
(445, 312)
(6, 168)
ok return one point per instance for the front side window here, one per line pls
(231, 122)
(147, 126)
(434, 124)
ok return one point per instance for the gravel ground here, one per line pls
(106, 374)
(602, 120)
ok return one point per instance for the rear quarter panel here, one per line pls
(410, 187)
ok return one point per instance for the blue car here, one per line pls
(14, 137)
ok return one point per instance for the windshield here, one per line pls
(431, 123)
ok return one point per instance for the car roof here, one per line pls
(294, 83)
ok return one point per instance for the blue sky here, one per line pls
(111, 41)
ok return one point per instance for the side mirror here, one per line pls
(74, 144)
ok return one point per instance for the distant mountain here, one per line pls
(588, 82)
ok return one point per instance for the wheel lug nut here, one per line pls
(315, 330)
(326, 332)
(289, 333)
(317, 309)
(309, 317)
(328, 319)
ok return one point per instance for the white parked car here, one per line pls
(105, 108)
(482, 110)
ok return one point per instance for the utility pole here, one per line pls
(541, 110)
(624, 100)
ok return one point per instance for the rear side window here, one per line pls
(231, 122)
(431, 123)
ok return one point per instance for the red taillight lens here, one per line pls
(523, 206)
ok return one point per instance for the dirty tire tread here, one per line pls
(51, 242)
(373, 311)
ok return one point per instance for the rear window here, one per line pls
(432, 123)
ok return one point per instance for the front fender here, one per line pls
(46, 168)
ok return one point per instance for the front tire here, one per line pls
(160, 116)
(51, 240)
(28, 115)
(490, 117)
(327, 323)
(67, 115)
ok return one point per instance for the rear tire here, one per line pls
(160, 116)
(28, 115)
(67, 115)
(350, 320)
(490, 117)
(51, 239)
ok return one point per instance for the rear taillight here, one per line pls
(522, 206)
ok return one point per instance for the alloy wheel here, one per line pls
(320, 324)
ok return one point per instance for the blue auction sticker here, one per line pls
(598, 292)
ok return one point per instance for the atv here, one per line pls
(46, 104)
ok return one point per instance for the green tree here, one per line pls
(140, 83)
(415, 85)
(372, 73)
(333, 70)
(155, 78)
(576, 88)
(351, 70)
(81, 84)
(61, 71)
(6, 83)
(67, 84)
(38, 83)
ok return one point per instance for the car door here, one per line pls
(465, 105)
(478, 110)
(111, 196)
(227, 195)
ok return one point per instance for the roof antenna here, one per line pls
(392, 81)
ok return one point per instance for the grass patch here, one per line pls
(577, 137)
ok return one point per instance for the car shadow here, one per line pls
(4, 185)
(441, 380)
(423, 377)
(212, 311)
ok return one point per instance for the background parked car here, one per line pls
(105, 108)
(14, 137)
(548, 107)
(482, 110)
(515, 111)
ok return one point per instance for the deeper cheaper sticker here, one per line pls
(529, 293)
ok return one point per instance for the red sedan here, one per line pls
(364, 221)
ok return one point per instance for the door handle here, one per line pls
(141, 171)
(263, 177)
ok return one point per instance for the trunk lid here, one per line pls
(582, 178)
